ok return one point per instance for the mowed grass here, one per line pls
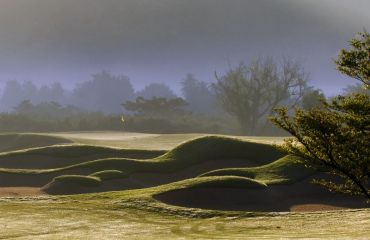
(128, 140)
(17, 141)
(285, 170)
(135, 214)
(45, 219)
(190, 153)
(89, 181)
(55, 156)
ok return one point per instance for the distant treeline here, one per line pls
(98, 104)
(238, 102)
(51, 116)
(105, 93)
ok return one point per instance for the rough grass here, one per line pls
(282, 171)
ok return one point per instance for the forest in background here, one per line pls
(109, 102)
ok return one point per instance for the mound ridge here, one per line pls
(273, 198)
(17, 141)
(285, 170)
(108, 180)
(57, 156)
(189, 154)
(216, 147)
(212, 172)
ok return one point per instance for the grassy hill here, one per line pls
(202, 150)
(209, 172)
(207, 187)
(17, 141)
(57, 156)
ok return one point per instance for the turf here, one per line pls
(109, 174)
(188, 154)
(17, 141)
(129, 140)
(282, 171)
(137, 214)
(45, 219)
(87, 181)
(63, 155)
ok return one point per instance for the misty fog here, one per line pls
(74, 61)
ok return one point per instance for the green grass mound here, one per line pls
(72, 184)
(109, 174)
(216, 147)
(229, 182)
(282, 171)
(189, 154)
(217, 192)
(63, 155)
(11, 142)
(71, 151)
(86, 181)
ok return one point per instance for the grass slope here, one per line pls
(185, 155)
(109, 174)
(17, 141)
(103, 219)
(282, 171)
(63, 155)
(88, 181)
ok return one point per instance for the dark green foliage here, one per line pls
(88, 121)
(355, 62)
(337, 135)
(156, 106)
(46, 122)
(164, 115)
(312, 98)
(356, 88)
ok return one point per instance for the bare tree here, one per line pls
(250, 92)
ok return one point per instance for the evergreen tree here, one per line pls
(336, 136)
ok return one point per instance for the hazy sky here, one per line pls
(162, 40)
